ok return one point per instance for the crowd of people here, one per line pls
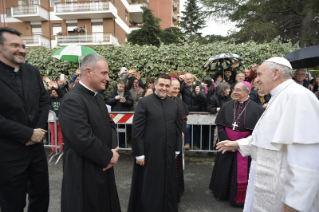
(265, 159)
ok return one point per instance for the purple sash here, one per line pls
(242, 166)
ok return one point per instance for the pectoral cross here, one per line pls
(234, 125)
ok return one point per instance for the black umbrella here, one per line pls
(304, 58)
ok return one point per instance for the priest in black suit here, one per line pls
(236, 119)
(24, 111)
(90, 150)
(156, 141)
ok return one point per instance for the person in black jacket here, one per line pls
(24, 112)
(193, 96)
(120, 99)
(221, 96)
(259, 97)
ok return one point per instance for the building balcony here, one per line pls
(36, 41)
(30, 13)
(98, 38)
(136, 12)
(175, 4)
(85, 10)
(174, 17)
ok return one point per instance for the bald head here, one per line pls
(189, 79)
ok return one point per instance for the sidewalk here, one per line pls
(197, 196)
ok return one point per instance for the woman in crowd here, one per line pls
(218, 78)
(259, 97)
(136, 91)
(150, 84)
(148, 91)
(218, 98)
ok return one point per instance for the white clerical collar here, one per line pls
(95, 93)
(280, 87)
(159, 97)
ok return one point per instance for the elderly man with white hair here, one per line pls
(284, 173)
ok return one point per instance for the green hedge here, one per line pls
(151, 60)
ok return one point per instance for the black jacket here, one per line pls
(115, 104)
(216, 101)
(255, 97)
(19, 115)
(191, 99)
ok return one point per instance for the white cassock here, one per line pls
(284, 148)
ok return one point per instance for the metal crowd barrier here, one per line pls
(53, 119)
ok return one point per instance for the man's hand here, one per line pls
(114, 159)
(78, 71)
(38, 135)
(197, 90)
(53, 84)
(117, 97)
(181, 77)
(46, 79)
(176, 155)
(140, 162)
(183, 135)
(286, 208)
(123, 100)
(227, 145)
(265, 105)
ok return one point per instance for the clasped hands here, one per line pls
(36, 137)
(227, 145)
(114, 159)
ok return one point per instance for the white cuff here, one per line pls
(140, 157)
(245, 145)
(177, 152)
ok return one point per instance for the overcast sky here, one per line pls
(211, 26)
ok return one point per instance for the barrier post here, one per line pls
(53, 119)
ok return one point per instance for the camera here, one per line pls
(195, 84)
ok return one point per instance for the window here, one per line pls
(52, 2)
(126, 15)
(9, 13)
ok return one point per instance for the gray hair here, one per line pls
(285, 70)
(190, 74)
(221, 88)
(90, 61)
(8, 30)
(245, 87)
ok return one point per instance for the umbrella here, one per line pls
(221, 61)
(304, 58)
(73, 53)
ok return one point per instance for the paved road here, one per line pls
(197, 197)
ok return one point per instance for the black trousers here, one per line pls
(25, 176)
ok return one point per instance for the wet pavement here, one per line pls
(197, 173)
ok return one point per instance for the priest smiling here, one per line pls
(235, 120)
(284, 173)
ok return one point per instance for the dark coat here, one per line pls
(89, 135)
(19, 115)
(156, 133)
(216, 101)
(193, 101)
(255, 97)
(115, 104)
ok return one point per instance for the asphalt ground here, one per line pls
(197, 173)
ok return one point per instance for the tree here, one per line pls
(150, 32)
(263, 21)
(171, 35)
(193, 19)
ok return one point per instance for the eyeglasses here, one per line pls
(238, 90)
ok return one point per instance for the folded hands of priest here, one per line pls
(227, 145)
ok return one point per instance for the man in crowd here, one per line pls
(239, 78)
(235, 120)
(89, 143)
(23, 117)
(193, 96)
(246, 73)
(300, 78)
(229, 76)
(156, 139)
(173, 93)
(283, 170)
(120, 99)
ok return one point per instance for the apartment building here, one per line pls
(51, 23)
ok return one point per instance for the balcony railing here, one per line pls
(174, 17)
(175, 5)
(25, 9)
(36, 40)
(81, 6)
(94, 38)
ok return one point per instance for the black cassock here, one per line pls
(179, 160)
(156, 133)
(224, 177)
(88, 135)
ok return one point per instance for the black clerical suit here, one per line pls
(24, 107)
(89, 135)
(156, 134)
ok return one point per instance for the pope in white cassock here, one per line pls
(284, 146)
